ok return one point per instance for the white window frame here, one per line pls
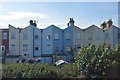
(3, 48)
(4, 35)
(48, 37)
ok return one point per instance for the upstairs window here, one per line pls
(97, 36)
(67, 35)
(13, 47)
(12, 36)
(107, 36)
(118, 35)
(25, 36)
(56, 36)
(36, 36)
(36, 48)
(4, 35)
(48, 47)
(48, 37)
(25, 47)
(89, 35)
(78, 46)
(78, 35)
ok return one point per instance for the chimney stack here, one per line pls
(103, 25)
(71, 22)
(109, 23)
(33, 24)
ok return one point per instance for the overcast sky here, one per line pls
(85, 14)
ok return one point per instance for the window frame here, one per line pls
(4, 35)
(56, 36)
(67, 36)
(48, 37)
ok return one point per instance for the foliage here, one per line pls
(26, 70)
(91, 62)
(95, 61)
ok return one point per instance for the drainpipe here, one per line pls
(113, 38)
(41, 41)
(19, 41)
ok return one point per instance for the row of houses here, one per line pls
(53, 43)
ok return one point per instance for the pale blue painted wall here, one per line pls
(51, 30)
(68, 42)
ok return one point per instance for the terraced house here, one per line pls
(53, 43)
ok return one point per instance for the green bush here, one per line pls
(91, 62)
(95, 61)
(26, 70)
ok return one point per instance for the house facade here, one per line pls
(53, 43)
(93, 35)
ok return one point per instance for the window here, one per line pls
(13, 47)
(56, 36)
(48, 47)
(3, 48)
(25, 36)
(78, 46)
(78, 35)
(118, 35)
(4, 35)
(97, 36)
(25, 47)
(68, 48)
(48, 37)
(36, 48)
(107, 36)
(67, 35)
(36, 36)
(12, 36)
(89, 44)
(89, 35)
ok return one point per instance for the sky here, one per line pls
(84, 14)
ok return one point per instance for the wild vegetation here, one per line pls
(91, 62)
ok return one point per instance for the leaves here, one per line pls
(94, 61)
